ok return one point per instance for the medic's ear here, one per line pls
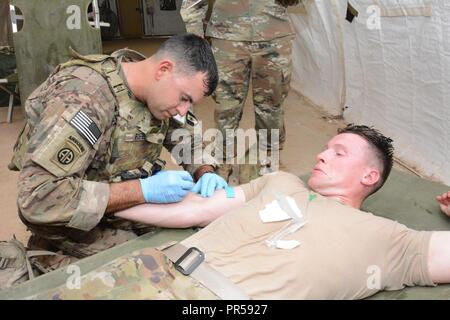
(164, 67)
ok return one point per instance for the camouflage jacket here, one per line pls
(238, 20)
(82, 133)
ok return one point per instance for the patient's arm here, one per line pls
(439, 257)
(439, 253)
(191, 211)
(444, 202)
(197, 211)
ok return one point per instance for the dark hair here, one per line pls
(192, 54)
(382, 146)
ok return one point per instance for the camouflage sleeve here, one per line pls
(185, 144)
(193, 13)
(52, 188)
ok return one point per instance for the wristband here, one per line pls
(230, 192)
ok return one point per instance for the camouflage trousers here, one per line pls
(72, 244)
(143, 274)
(268, 64)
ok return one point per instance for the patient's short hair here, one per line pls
(381, 145)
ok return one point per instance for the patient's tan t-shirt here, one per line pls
(344, 253)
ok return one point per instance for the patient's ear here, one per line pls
(371, 177)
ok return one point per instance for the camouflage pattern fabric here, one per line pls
(144, 274)
(238, 20)
(51, 187)
(268, 65)
(193, 15)
(82, 133)
(80, 244)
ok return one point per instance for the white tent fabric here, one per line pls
(318, 55)
(389, 68)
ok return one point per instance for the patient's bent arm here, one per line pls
(444, 202)
(191, 211)
(439, 257)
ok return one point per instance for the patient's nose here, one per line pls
(321, 157)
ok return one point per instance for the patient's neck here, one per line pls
(348, 196)
(352, 202)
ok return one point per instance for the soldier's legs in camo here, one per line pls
(144, 274)
(233, 63)
(271, 76)
(99, 239)
(81, 244)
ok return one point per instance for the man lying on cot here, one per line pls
(275, 238)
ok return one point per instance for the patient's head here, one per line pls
(354, 164)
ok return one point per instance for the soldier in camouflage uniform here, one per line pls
(251, 39)
(94, 133)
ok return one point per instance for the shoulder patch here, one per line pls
(86, 127)
(68, 153)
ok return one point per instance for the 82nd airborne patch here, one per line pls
(65, 156)
(68, 153)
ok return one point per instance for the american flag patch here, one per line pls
(86, 127)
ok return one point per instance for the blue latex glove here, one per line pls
(166, 186)
(208, 183)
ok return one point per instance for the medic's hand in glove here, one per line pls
(166, 186)
(208, 183)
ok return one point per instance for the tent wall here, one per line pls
(396, 77)
(318, 55)
(39, 48)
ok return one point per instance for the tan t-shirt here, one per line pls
(344, 253)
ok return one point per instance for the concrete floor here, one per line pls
(308, 130)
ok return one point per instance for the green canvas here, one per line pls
(45, 38)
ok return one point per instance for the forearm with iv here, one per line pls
(193, 210)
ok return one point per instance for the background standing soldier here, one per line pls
(251, 39)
